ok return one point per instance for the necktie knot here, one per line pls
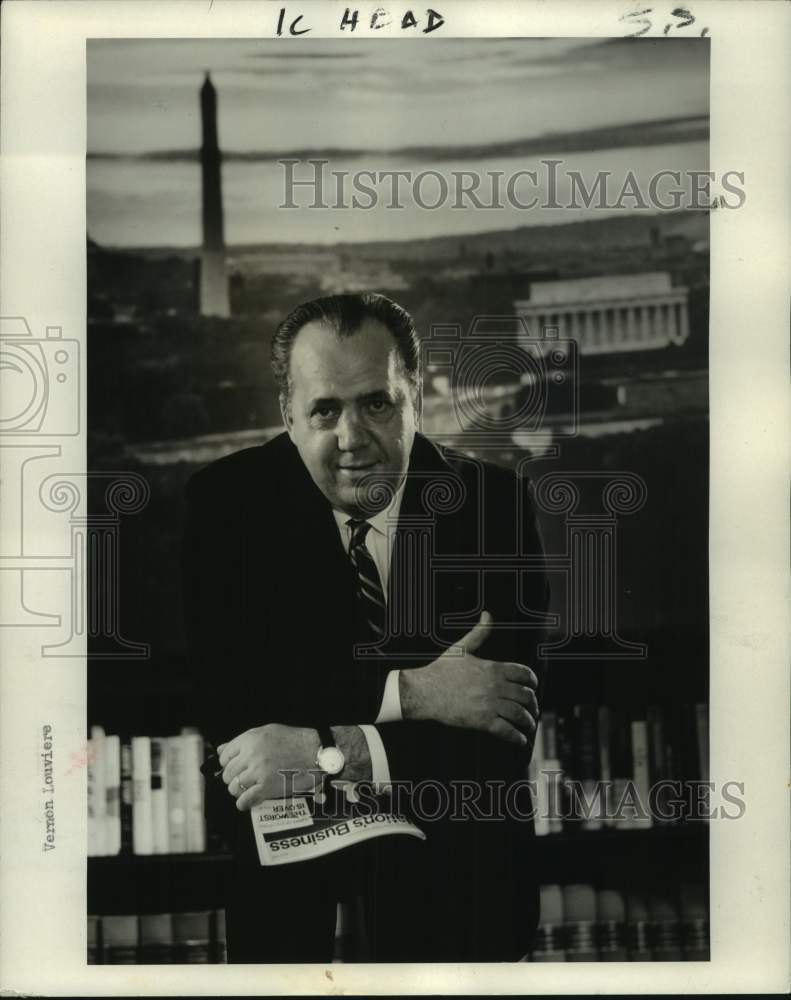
(359, 530)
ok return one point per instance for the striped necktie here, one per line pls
(370, 596)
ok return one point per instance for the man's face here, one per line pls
(352, 410)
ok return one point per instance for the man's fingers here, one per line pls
(249, 798)
(520, 674)
(516, 714)
(506, 731)
(521, 695)
(227, 752)
(476, 636)
(233, 768)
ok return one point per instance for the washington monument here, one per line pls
(213, 279)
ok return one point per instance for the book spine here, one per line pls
(192, 937)
(657, 764)
(112, 771)
(642, 780)
(127, 797)
(99, 762)
(159, 797)
(177, 816)
(551, 777)
(93, 940)
(120, 939)
(93, 818)
(156, 939)
(587, 766)
(605, 766)
(220, 945)
(535, 777)
(193, 792)
(142, 824)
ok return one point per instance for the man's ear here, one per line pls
(285, 413)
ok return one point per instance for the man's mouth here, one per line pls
(357, 469)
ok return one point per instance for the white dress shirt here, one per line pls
(379, 542)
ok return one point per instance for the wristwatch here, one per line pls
(329, 758)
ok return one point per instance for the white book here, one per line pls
(112, 774)
(535, 776)
(97, 784)
(142, 824)
(177, 815)
(641, 775)
(90, 771)
(193, 791)
(159, 796)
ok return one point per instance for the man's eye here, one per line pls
(378, 405)
(324, 412)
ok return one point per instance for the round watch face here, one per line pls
(331, 760)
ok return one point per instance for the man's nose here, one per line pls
(351, 432)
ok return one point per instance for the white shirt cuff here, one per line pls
(390, 710)
(380, 770)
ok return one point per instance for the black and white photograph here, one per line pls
(393, 558)
(425, 494)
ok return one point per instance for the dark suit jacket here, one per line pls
(270, 606)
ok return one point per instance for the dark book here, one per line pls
(219, 944)
(192, 937)
(120, 940)
(156, 939)
(611, 926)
(586, 766)
(93, 940)
(126, 797)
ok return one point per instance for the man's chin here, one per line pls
(363, 493)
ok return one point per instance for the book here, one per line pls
(159, 797)
(193, 792)
(694, 924)
(535, 772)
(119, 940)
(586, 766)
(551, 777)
(192, 937)
(548, 945)
(665, 928)
(142, 822)
(611, 926)
(605, 765)
(638, 929)
(93, 940)
(94, 816)
(177, 815)
(126, 797)
(642, 778)
(157, 945)
(621, 812)
(220, 954)
(579, 920)
(112, 773)
(97, 794)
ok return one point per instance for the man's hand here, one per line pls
(254, 763)
(459, 689)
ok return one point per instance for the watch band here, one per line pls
(326, 739)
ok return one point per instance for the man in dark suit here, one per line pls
(364, 603)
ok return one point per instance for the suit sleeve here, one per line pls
(226, 613)
(423, 751)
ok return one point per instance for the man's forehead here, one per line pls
(320, 354)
